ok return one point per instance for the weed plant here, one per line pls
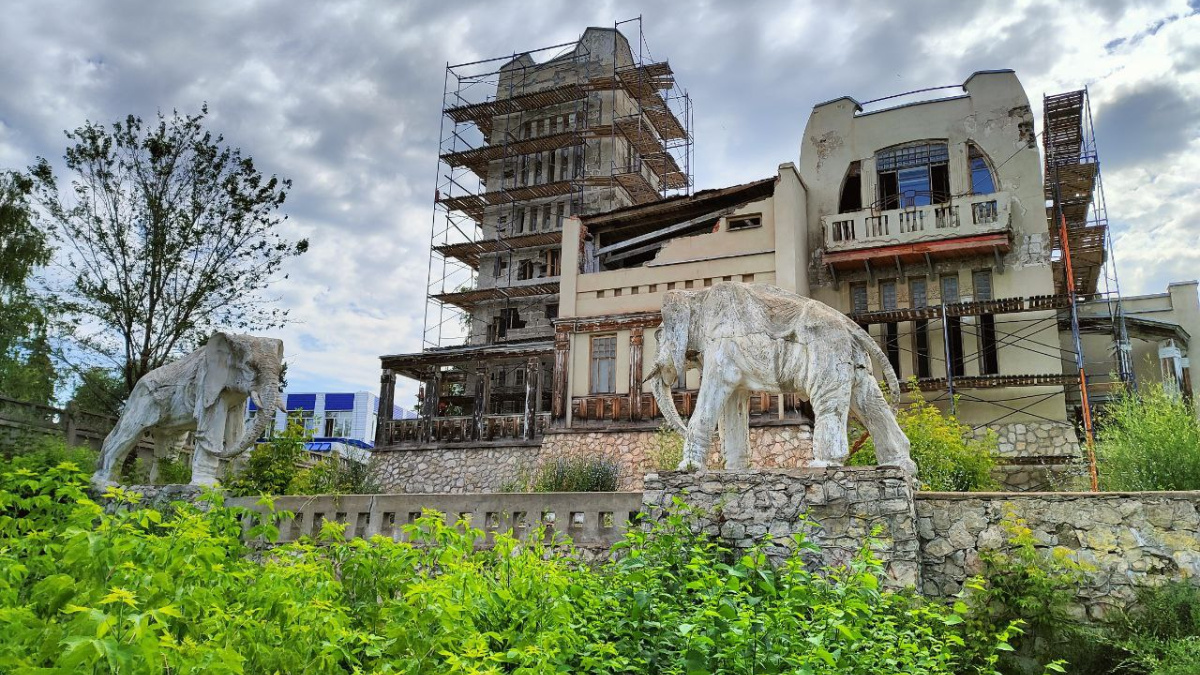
(949, 458)
(135, 590)
(597, 473)
(1149, 440)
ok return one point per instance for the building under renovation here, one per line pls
(973, 247)
(528, 141)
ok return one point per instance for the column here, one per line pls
(480, 401)
(433, 391)
(635, 373)
(531, 371)
(387, 398)
(562, 353)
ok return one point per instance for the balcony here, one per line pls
(963, 226)
(462, 429)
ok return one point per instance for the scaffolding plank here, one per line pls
(638, 188)
(470, 251)
(470, 299)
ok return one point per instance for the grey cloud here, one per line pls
(1146, 124)
(344, 99)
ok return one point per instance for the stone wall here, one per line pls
(837, 509)
(1037, 456)
(1129, 539)
(490, 468)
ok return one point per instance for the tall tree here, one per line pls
(26, 371)
(168, 234)
(99, 391)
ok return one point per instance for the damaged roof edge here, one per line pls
(753, 189)
(858, 107)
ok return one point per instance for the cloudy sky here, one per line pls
(344, 99)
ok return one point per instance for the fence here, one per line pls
(21, 422)
(590, 519)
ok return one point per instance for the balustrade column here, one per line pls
(635, 373)
(387, 398)
(562, 353)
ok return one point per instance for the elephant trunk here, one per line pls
(666, 402)
(264, 418)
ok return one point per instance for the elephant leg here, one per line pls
(709, 402)
(117, 446)
(210, 439)
(735, 430)
(872, 409)
(831, 406)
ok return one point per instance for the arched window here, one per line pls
(851, 197)
(982, 180)
(913, 174)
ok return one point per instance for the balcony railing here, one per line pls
(961, 217)
(462, 429)
(604, 408)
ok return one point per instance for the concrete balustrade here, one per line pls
(590, 519)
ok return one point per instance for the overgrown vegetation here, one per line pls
(140, 591)
(275, 468)
(596, 473)
(666, 448)
(1149, 440)
(949, 457)
(1022, 582)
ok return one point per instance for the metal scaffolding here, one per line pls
(492, 139)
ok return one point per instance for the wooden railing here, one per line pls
(462, 429)
(588, 518)
(19, 420)
(620, 407)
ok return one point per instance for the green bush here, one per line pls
(1149, 440)
(134, 591)
(45, 452)
(1024, 583)
(271, 466)
(667, 450)
(569, 474)
(334, 476)
(948, 457)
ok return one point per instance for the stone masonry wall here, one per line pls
(1036, 456)
(836, 508)
(1129, 539)
(488, 469)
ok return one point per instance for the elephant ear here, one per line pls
(677, 320)
(214, 369)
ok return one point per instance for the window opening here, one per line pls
(919, 297)
(954, 350)
(604, 365)
(989, 358)
(891, 330)
(982, 181)
(745, 222)
(913, 175)
(552, 310)
(851, 199)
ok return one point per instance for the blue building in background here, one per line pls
(335, 415)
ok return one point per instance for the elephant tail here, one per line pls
(871, 347)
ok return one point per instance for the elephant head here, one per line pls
(675, 342)
(241, 366)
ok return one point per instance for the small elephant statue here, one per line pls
(204, 392)
(758, 337)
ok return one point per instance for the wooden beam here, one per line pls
(667, 231)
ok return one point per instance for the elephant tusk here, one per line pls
(279, 404)
(653, 374)
(257, 400)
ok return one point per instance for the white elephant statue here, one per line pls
(757, 337)
(204, 392)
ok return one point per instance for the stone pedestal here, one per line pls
(837, 509)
